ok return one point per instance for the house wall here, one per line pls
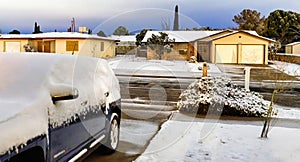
(22, 43)
(296, 49)
(91, 47)
(86, 47)
(204, 51)
(214, 36)
(180, 51)
(240, 39)
(288, 49)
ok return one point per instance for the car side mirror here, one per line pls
(63, 92)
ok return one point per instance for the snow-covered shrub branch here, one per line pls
(220, 95)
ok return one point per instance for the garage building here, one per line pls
(235, 47)
(293, 48)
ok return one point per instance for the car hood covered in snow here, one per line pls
(28, 80)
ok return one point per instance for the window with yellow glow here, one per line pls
(72, 46)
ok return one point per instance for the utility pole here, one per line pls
(73, 25)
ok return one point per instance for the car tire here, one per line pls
(113, 136)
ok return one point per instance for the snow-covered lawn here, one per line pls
(288, 68)
(141, 66)
(189, 139)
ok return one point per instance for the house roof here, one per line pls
(124, 38)
(253, 33)
(54, 35)
(292, 44)
(182, 36)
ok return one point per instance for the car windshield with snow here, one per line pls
(57, 107)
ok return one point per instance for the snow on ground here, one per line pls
(194, 140)
(285, 112)
(288, 68)
(141, 66)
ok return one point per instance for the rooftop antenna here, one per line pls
(73, 25)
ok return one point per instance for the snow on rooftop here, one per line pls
(292, 44)
(124, 38)
(254, 33)
(53, 35)
(189, 36)
(182, 36)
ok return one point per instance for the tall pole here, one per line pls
(176, 21)
(73, 25)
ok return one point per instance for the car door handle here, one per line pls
(84, 103)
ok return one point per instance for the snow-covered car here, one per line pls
(56, 107)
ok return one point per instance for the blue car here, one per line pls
(56, 107)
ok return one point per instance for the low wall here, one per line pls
(291, 58)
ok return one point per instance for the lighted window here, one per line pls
(72, 46)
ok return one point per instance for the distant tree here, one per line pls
(37, 29)
(101, 34)
(15, 32)
(139, 37)
(160, 44)
(250, 20)
(176, 19)
(281, 25)
(295, 30)
(121, 30)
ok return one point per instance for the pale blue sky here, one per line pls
(133, 14)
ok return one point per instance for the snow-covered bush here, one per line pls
(219, 95)
(28, 48)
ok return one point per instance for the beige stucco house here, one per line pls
(184, 46)
(227, 46)
(60, 42)
(125, 45)
(293, 48)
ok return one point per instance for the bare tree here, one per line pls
(165, 24)
(281, 85)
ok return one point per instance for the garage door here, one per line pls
(226, 53)
(252, 54)
(12, 47)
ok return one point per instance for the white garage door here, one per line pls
(252, 54)
(12, 47)
(226, 53)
